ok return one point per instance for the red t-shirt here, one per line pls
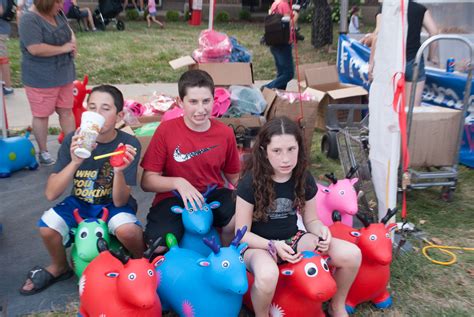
(199, 157)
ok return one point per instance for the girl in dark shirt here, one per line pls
(277, 184)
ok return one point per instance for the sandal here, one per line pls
(42, 279)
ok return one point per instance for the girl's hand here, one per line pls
(286, 253)
(322, 245)
(128, 157)
(189, 194)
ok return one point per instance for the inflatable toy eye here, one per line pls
(191, 210)
(355, 233)
(99, 232)
(311, 269)
(75, 91)
(324, 265)
(132, 276)
(387, 235)
(205, 208)
(326, 190)
(287, 272)
(83, 233)
(225, 264)
(150, 272)
(342, 192)
(112, 274)
(373, 237)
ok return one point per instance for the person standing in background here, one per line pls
(22, 7)
(152, 14)
(354, 20)
(418, 17)
(4, 60)
(321, 30)
(48, 47)
(282, 53)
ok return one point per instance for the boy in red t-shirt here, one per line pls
(186, 154)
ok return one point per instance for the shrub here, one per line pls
(172, 16)
(306, 15)
(222, 17)
(187, 15)
(132, 14)
(245, 15)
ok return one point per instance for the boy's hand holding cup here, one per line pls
(91, 124)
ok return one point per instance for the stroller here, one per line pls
(106, 12)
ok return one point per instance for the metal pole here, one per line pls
(343, 9)
(211, 15)
(3, 119)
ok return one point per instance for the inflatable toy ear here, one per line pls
(203, 262)
(177, 209)
(323, 188)
(214, 204)
(117, 160)
(287, 272)
(158, 261)
(242, 247)
(391, 227)
(355, 234)
(354, 180)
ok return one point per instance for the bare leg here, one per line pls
(418, 92)
(131, 236)
(66, 120)
(148, 20)
(157, 22)
(90, 19)
(40, 130)
(265, 271)
(6, 75)
(228, 232)
(54, 244)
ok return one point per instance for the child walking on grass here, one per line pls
(152, 14)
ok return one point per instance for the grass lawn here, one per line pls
(419, 288)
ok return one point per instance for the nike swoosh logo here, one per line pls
(183, 157)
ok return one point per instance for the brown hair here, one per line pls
(45, 6)
(262, 170)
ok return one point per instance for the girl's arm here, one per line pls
(243, 217)
(430, 26)
(315, 226)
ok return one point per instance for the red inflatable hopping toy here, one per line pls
(79, 91)
(115, 285)
(375, 245)
(302, 287)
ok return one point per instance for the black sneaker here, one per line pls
(298, 36)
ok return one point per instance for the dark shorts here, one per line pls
(409, 70)
(76, 13)
(161, 220)
(61, 218)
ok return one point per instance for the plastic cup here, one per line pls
(91, 123)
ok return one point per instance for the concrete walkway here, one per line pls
(19, 114)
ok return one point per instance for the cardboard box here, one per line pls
(223, 74)
(281, 107)
(433, 136)
(324, 83)
(302, 68)
(247, 121)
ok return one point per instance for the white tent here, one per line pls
(384, 131)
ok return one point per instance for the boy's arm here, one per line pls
(120, 190)
(157, 183)
(58, 182)
(232, 178)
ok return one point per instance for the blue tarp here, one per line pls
(441, 88)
